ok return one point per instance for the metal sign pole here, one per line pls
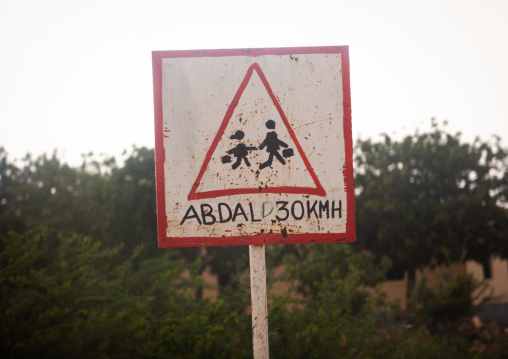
(259, 301)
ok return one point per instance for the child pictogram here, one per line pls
(240, 151)
(272, 144)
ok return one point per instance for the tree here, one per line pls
(431, 199)
(126, 200)
(55, 300)
(43, 191)
(114, 204)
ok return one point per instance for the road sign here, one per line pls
(253, 146)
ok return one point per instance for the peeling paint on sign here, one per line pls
(253, 146)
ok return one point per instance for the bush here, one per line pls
(443, 306)
(63, 296)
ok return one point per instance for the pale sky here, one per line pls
(77, 75)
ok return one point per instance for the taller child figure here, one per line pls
(272, 144)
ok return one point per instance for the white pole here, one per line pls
(258, 301)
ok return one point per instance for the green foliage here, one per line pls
(312, 263)
(399, 342)
(50, 283)
(201, 329)
(431, 199)
(128, 201)
(41, 192)
(335, 318)
(449, 301)
(62, 296)
(113, 204)
(334, 321)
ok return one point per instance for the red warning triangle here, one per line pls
(318, 190)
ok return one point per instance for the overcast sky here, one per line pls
(77, 75)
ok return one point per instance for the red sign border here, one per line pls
(262, 238)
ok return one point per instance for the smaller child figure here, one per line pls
(240, 151)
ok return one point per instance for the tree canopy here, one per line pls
(430, 198)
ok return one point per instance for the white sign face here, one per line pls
(253, 146)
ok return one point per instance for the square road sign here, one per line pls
(253, 146)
